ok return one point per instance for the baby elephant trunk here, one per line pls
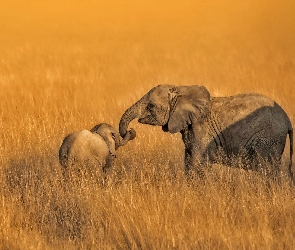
(130, 135)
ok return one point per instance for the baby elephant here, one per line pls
(94, 148)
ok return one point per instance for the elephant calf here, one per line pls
(94, 148)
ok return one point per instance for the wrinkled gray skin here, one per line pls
(95, 148)
(249, 124)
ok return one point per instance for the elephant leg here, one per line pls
(65, 174)
(66, 170)
(193, 165)
(109, 162)
(187, 162)
(268, 154)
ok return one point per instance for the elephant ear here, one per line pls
(188, 105)
(96, 127)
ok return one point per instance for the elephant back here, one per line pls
(236, 108)
(84, 147)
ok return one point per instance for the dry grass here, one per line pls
(68, 65)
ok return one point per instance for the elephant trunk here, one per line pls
(130, 135)
(130, 114)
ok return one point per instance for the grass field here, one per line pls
(68, 65)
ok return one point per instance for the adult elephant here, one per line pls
(248, 124)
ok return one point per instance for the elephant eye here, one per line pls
(151, 106)
(113, 136)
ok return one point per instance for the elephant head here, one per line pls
(172, 107)
(112, 137)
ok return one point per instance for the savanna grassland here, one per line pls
(68, 65)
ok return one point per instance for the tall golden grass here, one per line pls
(68, 65)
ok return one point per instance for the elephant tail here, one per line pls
(290, 133)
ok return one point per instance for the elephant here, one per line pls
(94, 148)
(250, 124)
